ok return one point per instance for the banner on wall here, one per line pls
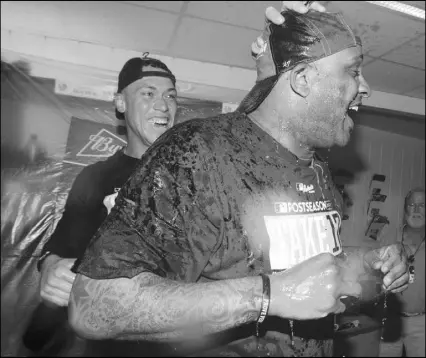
(67, 88)
(89, 142)
(229, 107)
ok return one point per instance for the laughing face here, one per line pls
(337, 89)
(150, 107)
(415, 210)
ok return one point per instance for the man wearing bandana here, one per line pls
(225, 240)
(146, 101)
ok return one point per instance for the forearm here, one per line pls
(152, 308)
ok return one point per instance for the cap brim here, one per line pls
(257, 95)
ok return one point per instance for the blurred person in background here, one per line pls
(410, 304)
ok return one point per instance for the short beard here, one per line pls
(415, 224)
(310, 128)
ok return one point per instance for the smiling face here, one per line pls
(150, 106)
(336, 85)
(415, 210)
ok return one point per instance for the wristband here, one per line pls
(266, 299)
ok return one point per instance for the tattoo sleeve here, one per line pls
(148, 307)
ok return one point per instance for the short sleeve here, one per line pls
(81, 217)
(167, 219)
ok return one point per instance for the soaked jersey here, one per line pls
(219, 198)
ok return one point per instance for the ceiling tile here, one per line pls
(393, 78)
(239, 13)
(419, 4)
(381, 30)
(92, 21)
(213, 42)
(411, 54)
(417, 93)
(173, 6)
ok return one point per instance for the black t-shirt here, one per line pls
(89, 201)
(217, 199)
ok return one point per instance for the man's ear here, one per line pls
(120, 103)
(299, 79)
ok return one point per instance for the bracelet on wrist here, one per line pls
(266, 300)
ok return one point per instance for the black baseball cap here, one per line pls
(301, 38)
(133, 70)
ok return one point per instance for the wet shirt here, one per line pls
(219, 199)
(91, 197)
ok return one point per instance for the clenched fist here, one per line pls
(313, 288)
(56, 280)
(392, 262)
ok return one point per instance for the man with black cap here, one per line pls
(225, 239)
(146, 100)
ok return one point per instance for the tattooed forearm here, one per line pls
(149, 307)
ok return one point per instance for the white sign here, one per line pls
(66, 88)
(229, 107)
(102, 144)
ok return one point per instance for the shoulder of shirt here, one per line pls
(206, 124)
(92, 172)
(196, 130)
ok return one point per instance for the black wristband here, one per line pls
(266, 299)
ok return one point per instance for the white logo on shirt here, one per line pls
(109, 200)
(302, 206)
(305, 188)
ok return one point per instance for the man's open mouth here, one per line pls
(354, 107)
(160, 122)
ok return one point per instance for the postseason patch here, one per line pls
(296, 238)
